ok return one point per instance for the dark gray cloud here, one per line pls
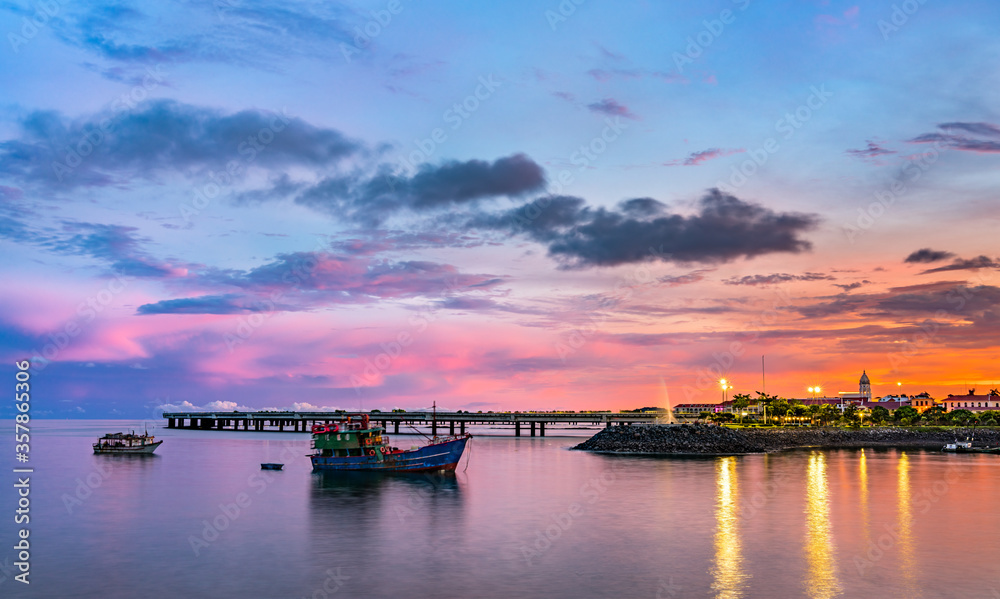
(642, 207)
(852, 286)
(306, 280)
(117, 245)
(985, 129)
(927, 255)
(871, 152)
(776, 278)
(723, 229)
(966, 264)
(206, 304)
(371, 199)
(970, 137)
(948, 299)
(163, 136)
(611, 107)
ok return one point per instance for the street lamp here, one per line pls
(814, 391)
(725, 388)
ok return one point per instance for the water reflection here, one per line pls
(905, 539)
(728, 571)
(863, 499)
(821, 578)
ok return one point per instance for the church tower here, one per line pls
(866, 386)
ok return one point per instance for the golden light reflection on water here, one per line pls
(821, 578)
(905, 539)
(728, 570)
(863, 498)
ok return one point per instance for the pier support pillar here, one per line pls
(532, 429)
(434, 428)
(219, 423)
(541, 426)
(170, 423)
(462, 427)
(395, 427)
(281, 426)
(451, 429)
(517, 429)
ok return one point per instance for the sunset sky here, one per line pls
(530, 205)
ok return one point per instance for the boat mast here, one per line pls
(434, 416)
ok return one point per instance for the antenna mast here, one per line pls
(763, 379)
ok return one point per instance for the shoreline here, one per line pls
(710, 440)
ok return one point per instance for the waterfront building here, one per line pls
(972, 402)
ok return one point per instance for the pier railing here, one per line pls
(303, 421)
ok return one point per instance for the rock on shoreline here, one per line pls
(703, 439)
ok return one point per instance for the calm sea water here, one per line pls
(527, 518)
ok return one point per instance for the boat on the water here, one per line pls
(353, 443)
(127, 443)
(966, 447)
(271, 466)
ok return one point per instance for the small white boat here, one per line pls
(958, 446)
(129, 443)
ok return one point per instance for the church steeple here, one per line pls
(866, 386)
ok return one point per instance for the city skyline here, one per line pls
(540, 206)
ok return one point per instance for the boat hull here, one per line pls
(438, 456)
(137, 450)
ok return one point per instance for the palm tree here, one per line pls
(813, 412)
(740, 402)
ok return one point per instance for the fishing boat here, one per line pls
(958, 447)
(127, 443)
(353, 443)
(966, 447)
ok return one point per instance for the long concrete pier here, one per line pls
(295, 422)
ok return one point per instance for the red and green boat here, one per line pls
(353, 443)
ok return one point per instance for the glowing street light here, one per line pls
(725, 388)
(814, 391)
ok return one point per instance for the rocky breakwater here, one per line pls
(703, 439)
